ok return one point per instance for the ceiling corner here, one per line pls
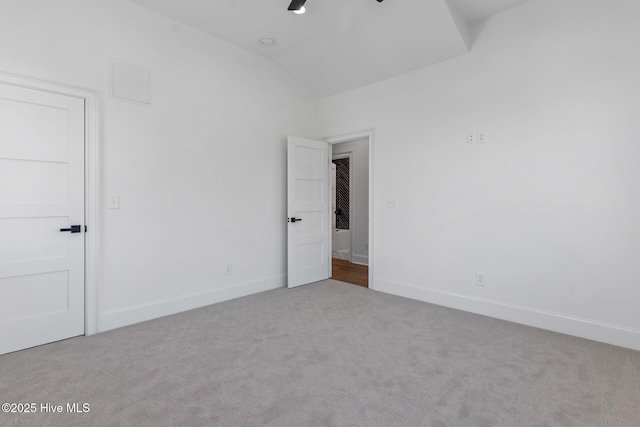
(462, 25)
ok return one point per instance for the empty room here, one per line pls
(320, 212)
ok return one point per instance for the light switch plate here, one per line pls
(114, 202)
(482, 137)
(392, 203)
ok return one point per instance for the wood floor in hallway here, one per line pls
(351, 273)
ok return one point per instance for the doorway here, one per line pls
(48, 162)
(309, 209)
(350, 211)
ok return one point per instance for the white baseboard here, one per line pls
(584, 328)
(130, 315)
(360, 259)
(342, 254)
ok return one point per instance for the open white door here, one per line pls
(308, 211)
(41, 198)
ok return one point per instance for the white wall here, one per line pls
(548, 208)
(360, 194)
(200, 173)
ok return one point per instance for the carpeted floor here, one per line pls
(326, 354)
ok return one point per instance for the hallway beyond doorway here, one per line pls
(355, 274)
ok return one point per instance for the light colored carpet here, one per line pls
(327, 354)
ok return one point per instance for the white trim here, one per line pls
(585, 328)
(93, 218)
(142, 312)
(366, 134)
(92, 184)
(330, 228)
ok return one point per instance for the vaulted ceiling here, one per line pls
(339, 45)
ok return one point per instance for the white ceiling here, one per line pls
(339, 45)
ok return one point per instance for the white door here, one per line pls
(41, 192)
(308, 211)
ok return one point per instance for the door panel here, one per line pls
(30, 232)
(308, 200)
(35, 295)
(33, 181)
(41, 191)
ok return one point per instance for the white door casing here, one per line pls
(308, 237)
(42, 270)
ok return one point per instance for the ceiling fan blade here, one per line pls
(296, 4)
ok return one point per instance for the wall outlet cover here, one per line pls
(471, 138)
(482, 137)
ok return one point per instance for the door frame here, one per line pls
(354, 136)
(92, 192)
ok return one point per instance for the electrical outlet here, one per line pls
(480, 279)
(471, 138)
(228, 271)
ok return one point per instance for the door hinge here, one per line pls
(85, 228)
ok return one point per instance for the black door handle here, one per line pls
(73, 229)
(294, 219)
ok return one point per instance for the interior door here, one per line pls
(308, 211)
(41, 194)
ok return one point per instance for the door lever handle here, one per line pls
(294, 219)
(73, 229)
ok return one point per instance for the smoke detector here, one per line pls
(266, 42)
